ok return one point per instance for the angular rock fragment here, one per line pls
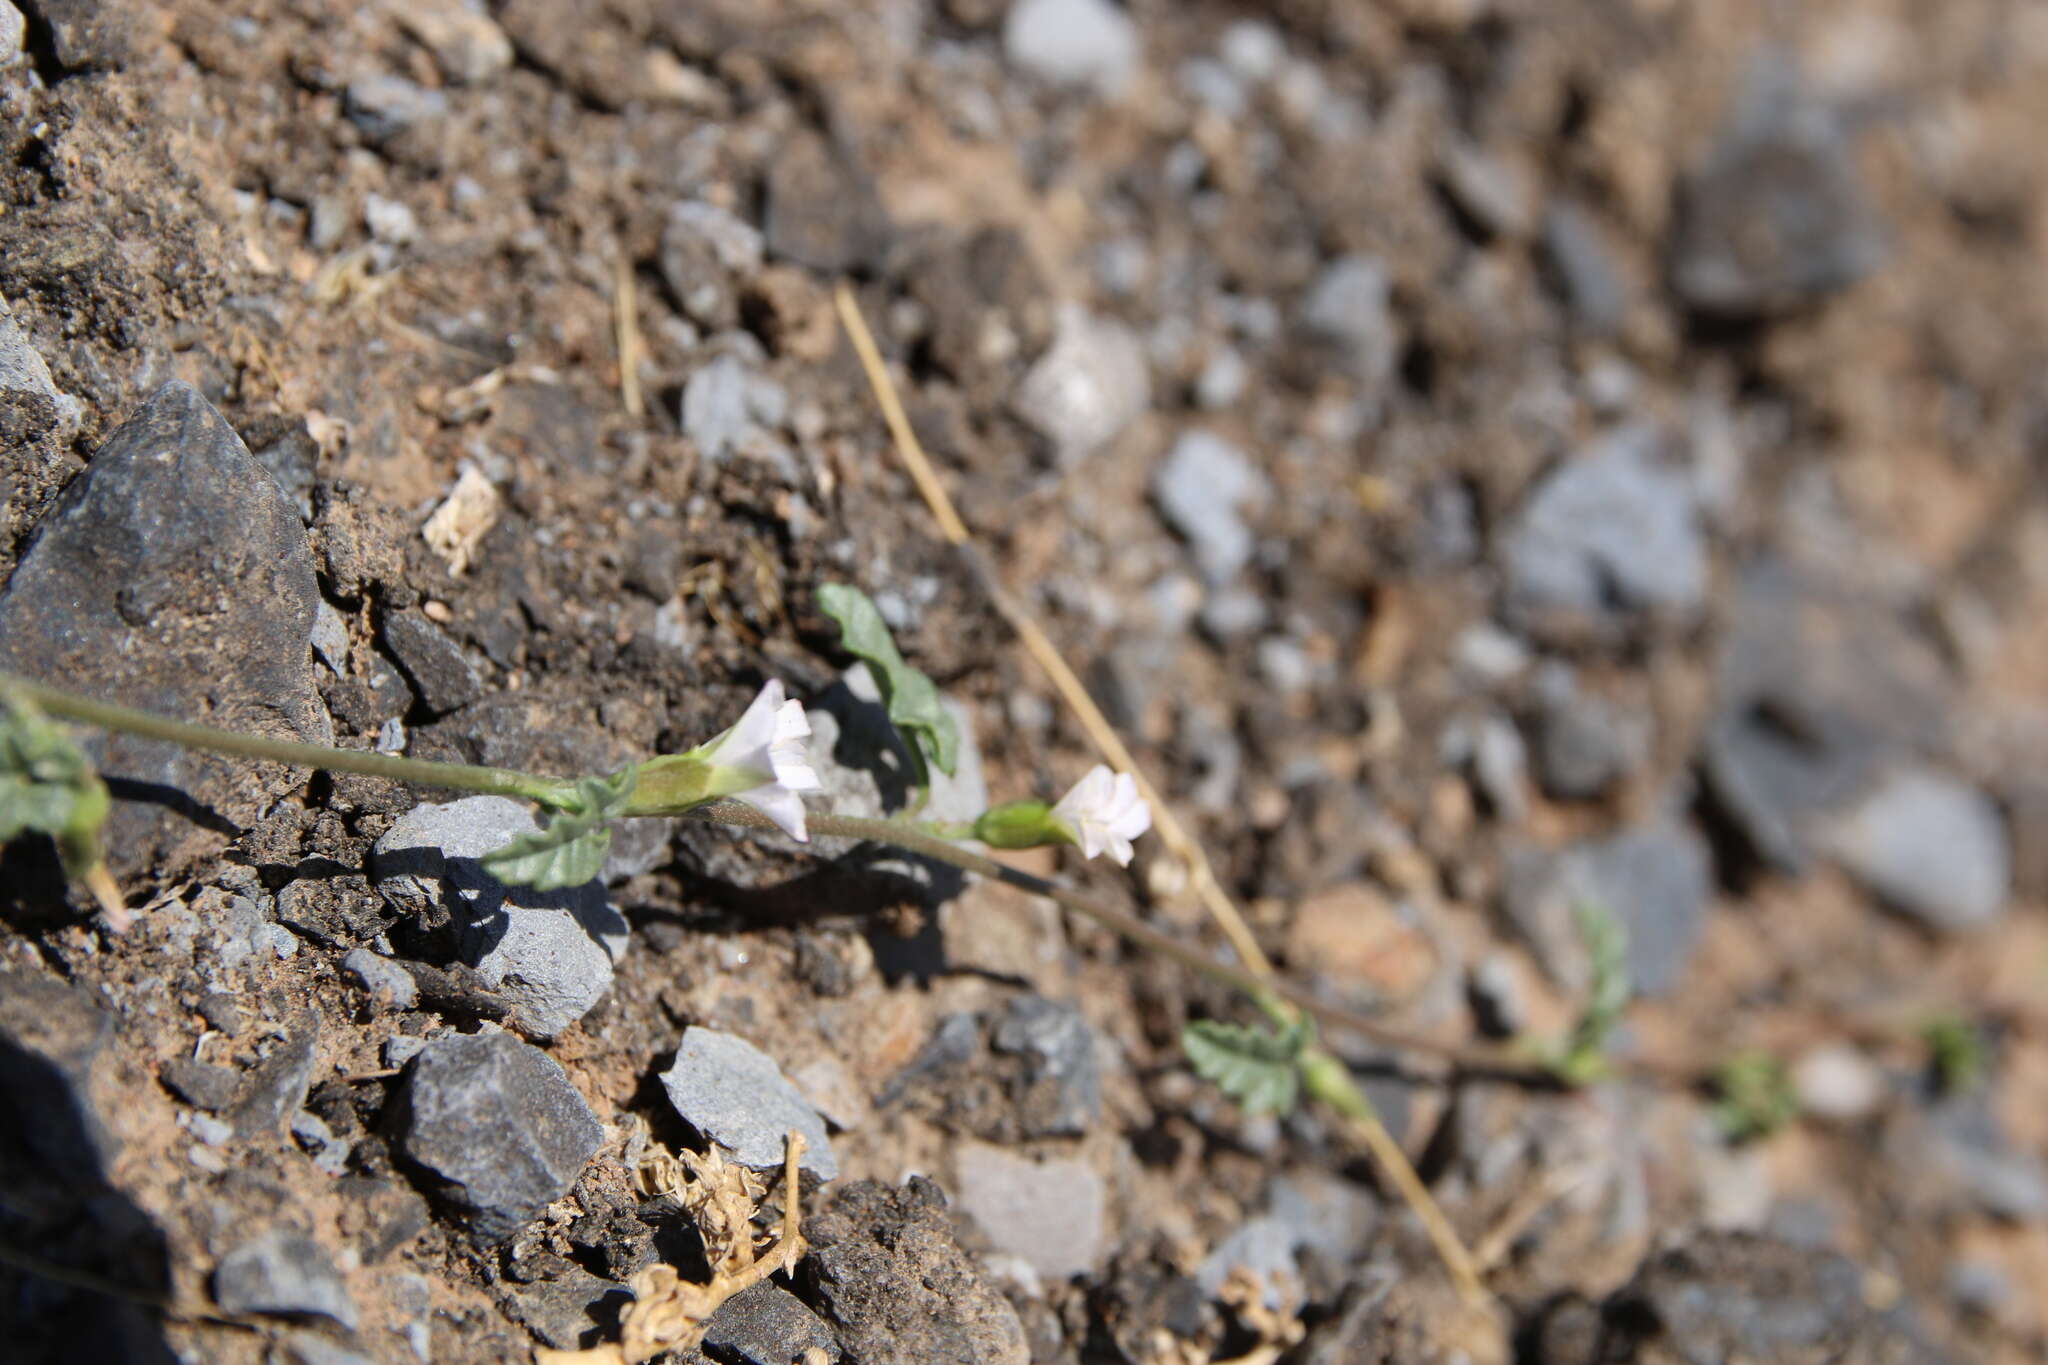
(498, 1126)
(174, 575)
(733, 1093)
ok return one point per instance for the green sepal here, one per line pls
(570, 848)
(1258, 1068)
(672, 785)
(912, 698)
(1021, 824)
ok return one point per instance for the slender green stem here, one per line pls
(548, 791)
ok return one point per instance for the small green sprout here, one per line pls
(1754, 1095)
(1956, 1052)
(1581, 1058)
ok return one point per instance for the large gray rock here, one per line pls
(1052, 1214)
(706, 251)
(1608, 538)
(767, 1325)
(1091, 383)
(1777, 216)
(498, 1127)
(12, 27)
(174, 575)
(727, 404)
(733, 1093)
(1818, 692)
(24, 375)
(1928, 846)
(283, 1274)
(892, 1277)
(1585, 744)
(1078, 43)
(1202, 489)
(1060, 1092)
(1349, 308)
(1654, 879)
(549, 954)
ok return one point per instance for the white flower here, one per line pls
(764, 762)
(1105, 812)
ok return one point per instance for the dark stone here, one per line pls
(51, 1039)
(1957, 1158)
(822, 211)
(570, 1310)
(1817, 691)
(200, 1084)
(86, 35)
(2026, 811)
(276, 1088)
(1580, 259)
(284, 1275)
(1655, 880)
(283, 446)
(1585, 745)
(441, 678)
(1607, 540)
(1776, 217)
(1061, 1093)
(1742, 1297)
(498, 1125)
(766, 1325)
(173, 575)
(990, 306)
(1382, 1320)
(897, 1285)
(222, 1013)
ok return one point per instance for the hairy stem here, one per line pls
(904, 834)
(548, 791)
(1116, 921)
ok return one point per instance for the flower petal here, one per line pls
(781, 805)
(788, 755)
(754, 732)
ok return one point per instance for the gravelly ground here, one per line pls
(1488, 456)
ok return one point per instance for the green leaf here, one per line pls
(570, 848)
(912, 698)
(1259, 1069)
(47, 786)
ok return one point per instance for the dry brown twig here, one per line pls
(669, 1313)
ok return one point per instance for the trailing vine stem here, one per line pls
(554, 793)
(925, 840)
(1323, 1076)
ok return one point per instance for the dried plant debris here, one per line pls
(669, 1313)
